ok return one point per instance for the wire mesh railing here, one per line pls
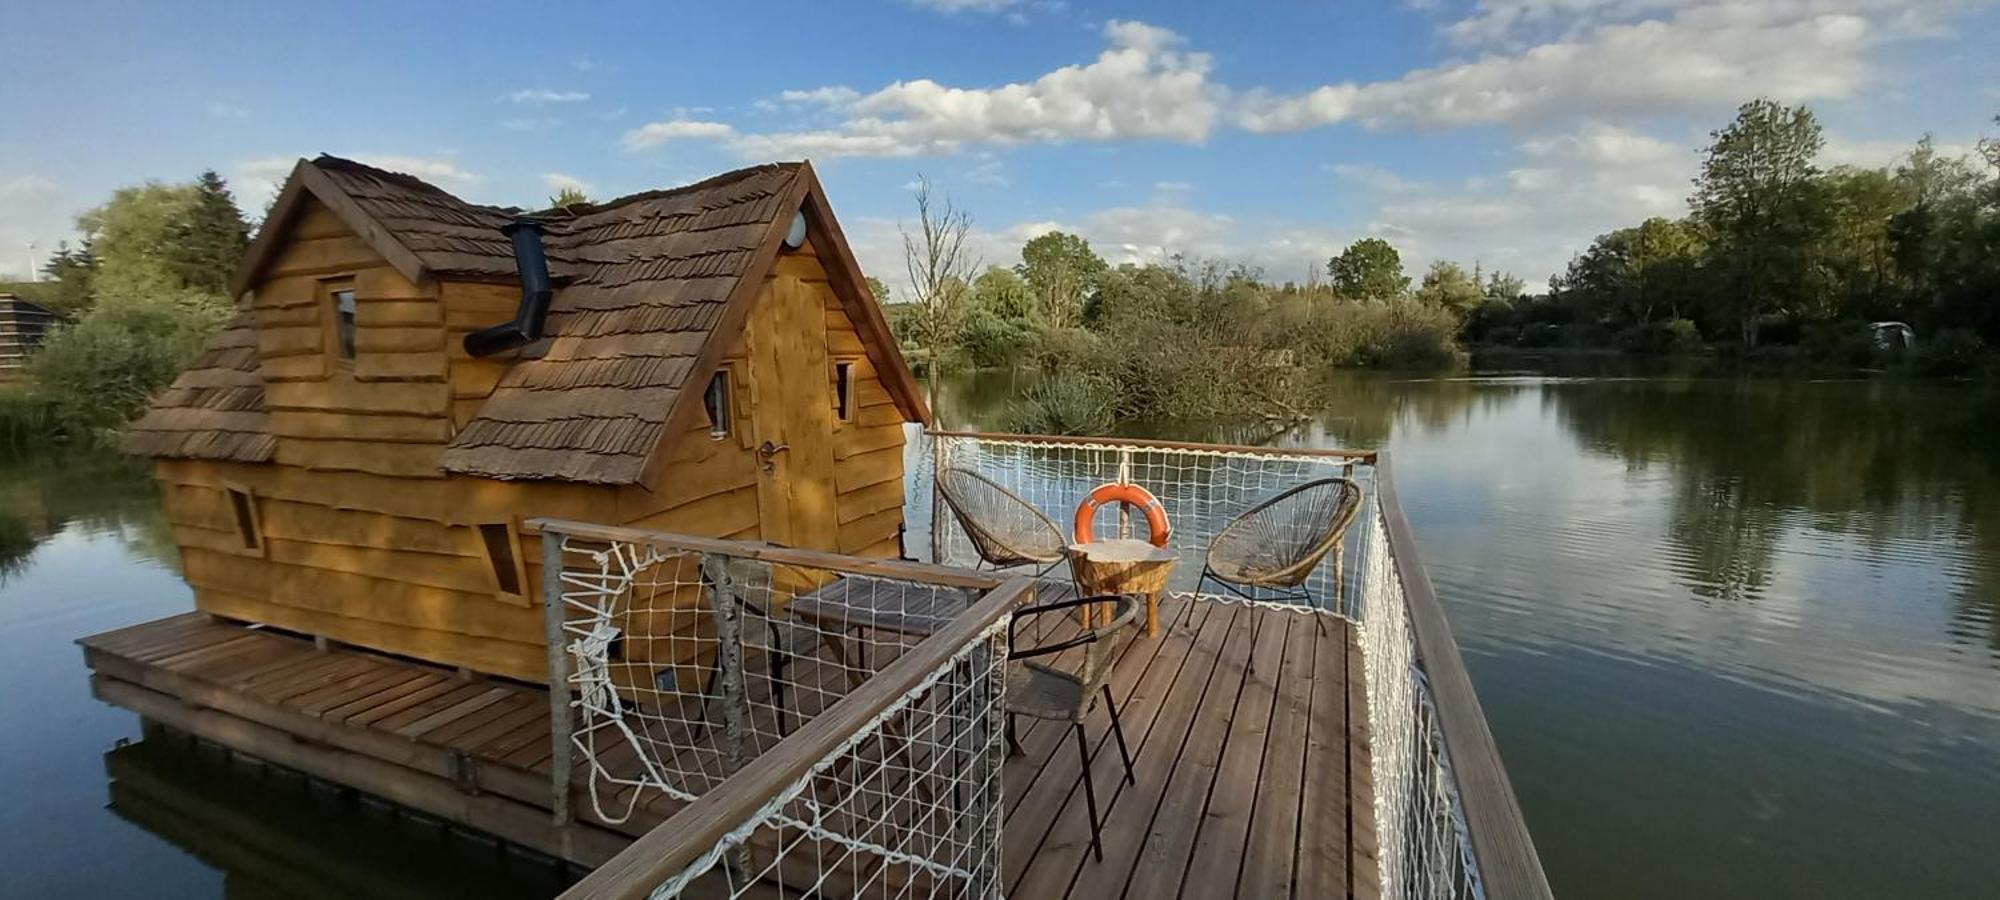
(1202, 488)
(684, 666)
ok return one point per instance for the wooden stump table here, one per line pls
(1122, 566)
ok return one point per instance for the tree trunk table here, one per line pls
(1122, 566)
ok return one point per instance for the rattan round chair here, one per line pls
(1005, 530)
(1269, 551)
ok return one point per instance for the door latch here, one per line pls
(767, 450)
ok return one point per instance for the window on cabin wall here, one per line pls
(499, 539)
(715, 401)
(843, 390)
(340, 314)
(243, 509)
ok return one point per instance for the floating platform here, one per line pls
(1246, 726)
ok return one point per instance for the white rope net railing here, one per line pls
(908, 806)
(1419, 821)
(686, 665)
(1201, 490)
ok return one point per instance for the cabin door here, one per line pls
(791, 415)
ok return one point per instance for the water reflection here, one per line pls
(44, 492)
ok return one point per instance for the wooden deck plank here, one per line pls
(1154, 838)
(1066, 849)
(345, 711)
(1217, 857)
(1271, 854)
(1323, 825)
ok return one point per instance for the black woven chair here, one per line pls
(1044, 692)
(1269, 551)
(1006, 531)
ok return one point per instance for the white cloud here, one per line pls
(1563, 190)
(218, 109)
(1144, 85)
(653, 134)
(831, 95)
(540, 96)
(1709, 54)
(443, 172)
(1871, 154)
(559, 182)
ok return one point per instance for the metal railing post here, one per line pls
(559, 706)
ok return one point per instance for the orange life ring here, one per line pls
(1157, 529)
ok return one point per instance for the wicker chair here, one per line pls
(1006, 531)
(1042, 691)
(1270, 551)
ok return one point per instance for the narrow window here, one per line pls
(716, 401)
(244, 506)
(343, 314)
(498, 537)
(843, 390)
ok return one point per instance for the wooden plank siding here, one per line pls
(364, 539)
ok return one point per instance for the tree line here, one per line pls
(1781, 255)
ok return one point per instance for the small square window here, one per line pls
(843, 390)
(716, 402)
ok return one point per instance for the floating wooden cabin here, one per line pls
(354, 456)
(23, 325)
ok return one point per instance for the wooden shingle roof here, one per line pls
(644, 284)
(649, 280)
(215, 408)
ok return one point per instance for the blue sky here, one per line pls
(1507, 132)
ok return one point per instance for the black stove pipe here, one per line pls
(533, 265)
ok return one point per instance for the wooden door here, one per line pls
(791, 415)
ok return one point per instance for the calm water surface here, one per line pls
(1736, 638)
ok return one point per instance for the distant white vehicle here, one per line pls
(1894, 335)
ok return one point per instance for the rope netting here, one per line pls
(687, 665)
(1201, 490)
(1419, 821)
(908, 806)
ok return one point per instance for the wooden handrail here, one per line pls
(675, 844)
(926, 573)
(1501, 845)
(1360, 456)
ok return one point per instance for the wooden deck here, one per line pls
(1244, 724)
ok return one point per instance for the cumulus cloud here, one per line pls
(1706, 55)
(1563, 190)
(653, 134)
(1145, 85)
(541, 96)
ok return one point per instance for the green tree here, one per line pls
(1447, 285)
(1369, 269)
(209, 240)
(1504, 287)
(1759, 201)
(570, 195)
(878, 289)
(73, 274)
(1001, 293)
(1061, 271)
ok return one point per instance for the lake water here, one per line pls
(1736, 638)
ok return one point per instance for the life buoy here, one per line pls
(1158, 531)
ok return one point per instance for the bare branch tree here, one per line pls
(940, 264)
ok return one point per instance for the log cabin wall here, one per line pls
(361, 538)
